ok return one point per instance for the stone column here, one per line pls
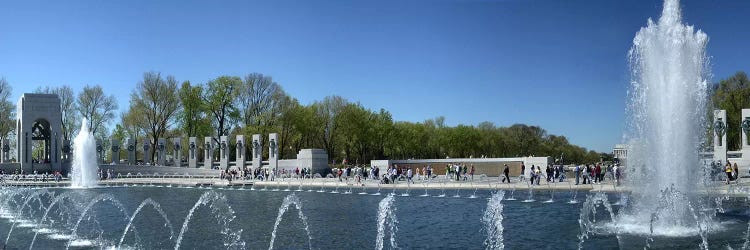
(208, 152)
(224, 152)
(240, 152)
(161, 147)
(273, 151)
(745, 148)
(6, 152)
(130, 147)
(99, 152)
(720, 136)
(745, 129)
(177, 147)
(193, 152)
(115, 151)
(257, 151)
(146, 152)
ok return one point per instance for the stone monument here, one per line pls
(745, 131)
(193, 152)
(99, 152)
(115, 151)
(257, 152)
(177, 155)
(240, 152)
(316, 160)
(208, 152)
(146, 152)
(130, 147)
(161, 151)
(6, 152)
(38, 119)
(224, 152)
(273, 151)
(720, 138)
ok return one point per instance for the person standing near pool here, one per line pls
(505, 172)
(728, 170)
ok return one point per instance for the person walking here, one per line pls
(585, 174)
(561, 172)
(409, 176)
(577, 172)
(471, 172)
(522, 176)
(736, 172)
(538, 174)
(506, 171)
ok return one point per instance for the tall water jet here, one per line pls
(386, 218)
(84, 159)
(291, 199)
(666, 122)
(493, 221)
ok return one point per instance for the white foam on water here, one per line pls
(82, 243)
(61, 237)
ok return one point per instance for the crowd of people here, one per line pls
(588, 173)
(596, 173)
(35, 176)
(263, 174)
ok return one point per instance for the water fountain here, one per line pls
(656, 205)
(291, 199)
(386, 221)
(84, 166)
(493, 221)
(156, 207)
(223, 215)
(573, 193)
(530, 198)
(408, 188)
(442, 189)
(425, 188)
(666, 111)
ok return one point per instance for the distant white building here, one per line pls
(620, 151)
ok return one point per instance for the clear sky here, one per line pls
(561, 65)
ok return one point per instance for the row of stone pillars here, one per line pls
(720, 136)
(209, 146)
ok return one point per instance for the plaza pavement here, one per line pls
(740, 188)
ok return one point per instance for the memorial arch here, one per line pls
(39, 131)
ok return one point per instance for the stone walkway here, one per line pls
(491, 183)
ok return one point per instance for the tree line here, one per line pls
(162, 107)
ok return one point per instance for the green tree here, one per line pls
(327, 111)
(7, 110)
(96, 107)
(68, 108)
(219, 100)
(156, 100)
(193, 117)
(260, 99)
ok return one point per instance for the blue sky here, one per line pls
(558, 64)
